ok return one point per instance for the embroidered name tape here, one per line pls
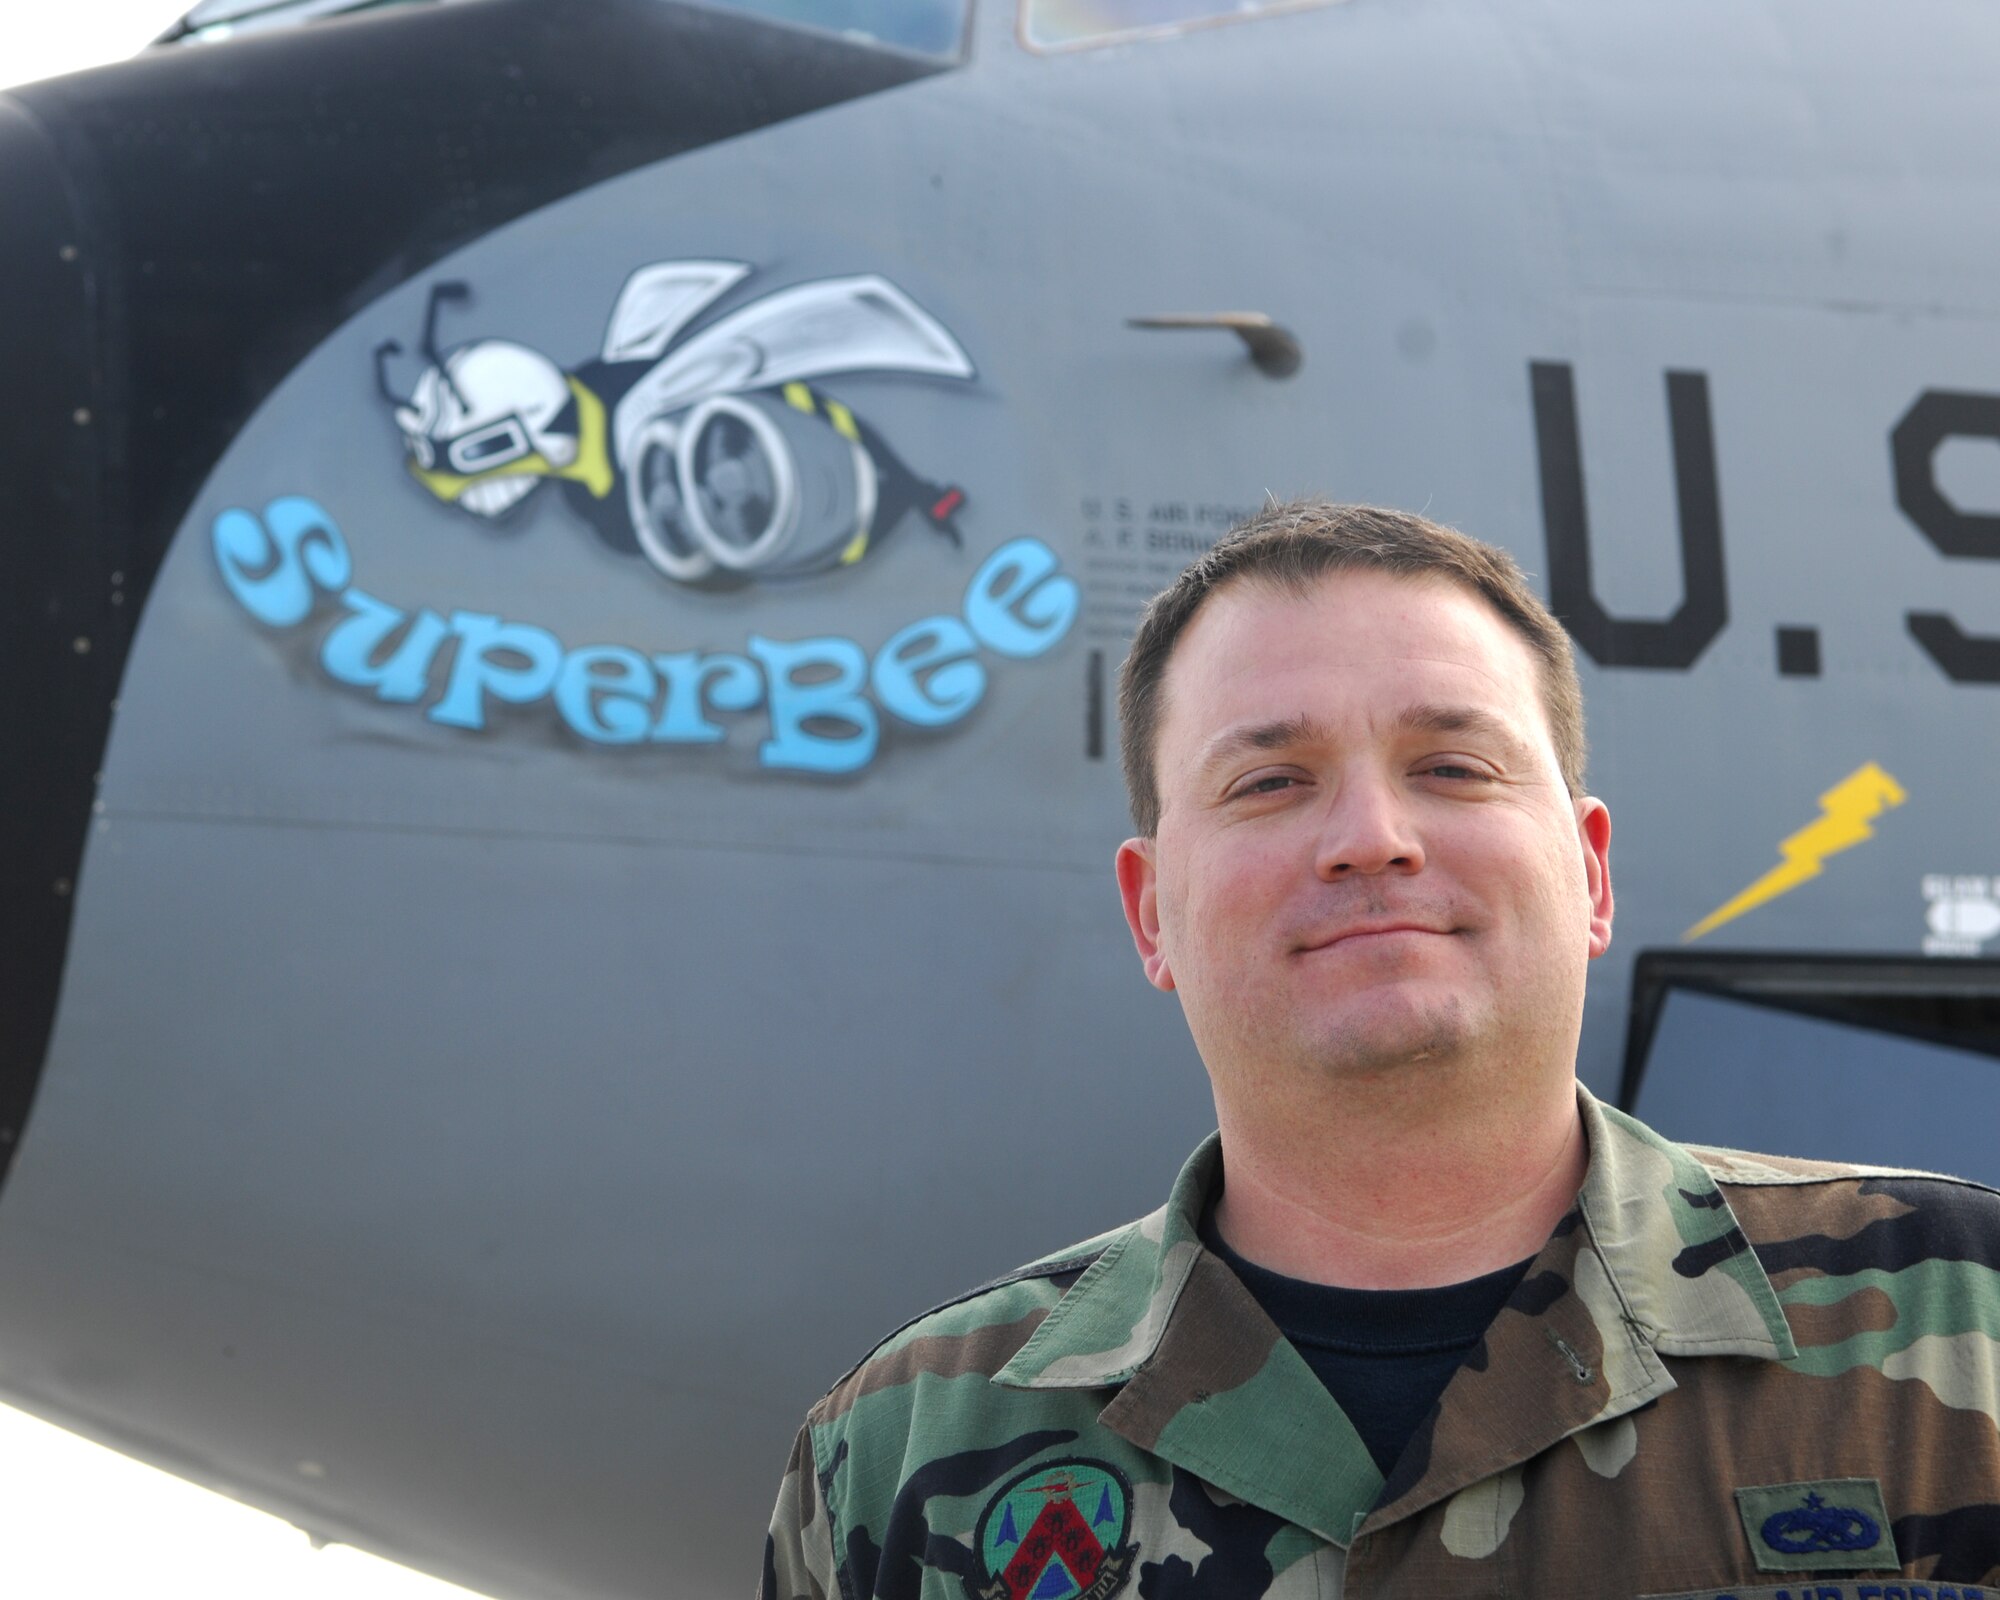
(1905, 1589)
(1828, 1524)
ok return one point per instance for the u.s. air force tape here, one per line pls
(1846, 1589)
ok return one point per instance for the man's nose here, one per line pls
(1369, 830)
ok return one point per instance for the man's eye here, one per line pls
(1455, 770)
(1270, 784)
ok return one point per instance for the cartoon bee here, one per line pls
(716, 458)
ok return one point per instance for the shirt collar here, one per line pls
(1207, 1382)
(1684, 1274)
(1111, 1321)
(1649, 1262)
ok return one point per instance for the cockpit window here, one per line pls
(1856, 1058)
(215, 20)
(1076, 24)
(923, 27)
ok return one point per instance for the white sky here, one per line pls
(42, 41)
(82, 1521)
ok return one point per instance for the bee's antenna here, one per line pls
(457, 292)
(383, 351)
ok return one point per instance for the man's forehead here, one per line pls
(1272, 653)
(1255, 630)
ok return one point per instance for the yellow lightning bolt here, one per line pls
(1845, 812)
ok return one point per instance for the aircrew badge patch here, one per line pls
(1832, 1524)
(1056, 1532)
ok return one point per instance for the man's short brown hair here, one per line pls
(1293, 546)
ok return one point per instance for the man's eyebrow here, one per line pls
(1285, 733)
(1431, 718)
(1289, 733)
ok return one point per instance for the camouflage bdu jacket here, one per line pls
(1724, 1375)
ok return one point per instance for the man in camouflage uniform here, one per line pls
(1367, 865)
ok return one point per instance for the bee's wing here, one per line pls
(660, 300)
(863, 324)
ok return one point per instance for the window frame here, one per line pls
(1827, 986)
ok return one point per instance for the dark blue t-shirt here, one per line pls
(1384, 1354)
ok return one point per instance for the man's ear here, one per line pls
(1593, 828)
(1138, 887)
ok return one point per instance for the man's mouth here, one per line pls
(1360, 934)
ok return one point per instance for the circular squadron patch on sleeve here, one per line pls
(1056, 1532)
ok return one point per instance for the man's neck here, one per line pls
(1390, 1189)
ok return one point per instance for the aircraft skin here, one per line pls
(570, 559)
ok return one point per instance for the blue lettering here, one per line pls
(731, 684)
(1921, 1591)
(1018, 603)
(272, 566)
(825, 696)
(1870, 1591)
(1895, 1591)
(605, 693)
(350, 651)
(1829, 1591)
(481, 667)
(806, 714)
(938, 646)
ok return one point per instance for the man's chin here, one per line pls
(1381, 1034)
